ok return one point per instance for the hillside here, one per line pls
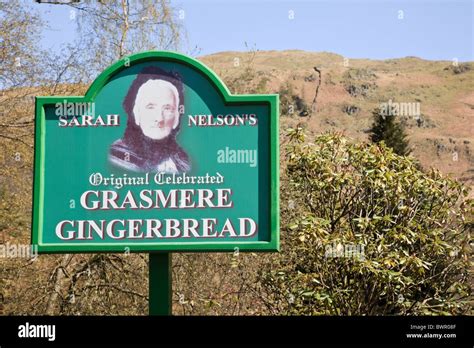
(441, 135)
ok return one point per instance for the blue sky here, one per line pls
(376, 29)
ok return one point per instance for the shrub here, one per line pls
(367, 233)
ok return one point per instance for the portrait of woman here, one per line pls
(152, 105)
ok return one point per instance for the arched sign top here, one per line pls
(147, 56)
(157, 156)
(157, 56)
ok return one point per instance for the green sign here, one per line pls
(157, 156)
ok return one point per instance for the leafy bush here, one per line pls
(367, 233)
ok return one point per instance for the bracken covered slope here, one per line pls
(441, 134)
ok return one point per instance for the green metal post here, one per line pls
(160, 288)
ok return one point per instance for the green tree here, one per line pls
(392, 133)
(364, 232)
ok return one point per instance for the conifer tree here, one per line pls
(386, 128)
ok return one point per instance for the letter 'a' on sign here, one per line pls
(157, 156)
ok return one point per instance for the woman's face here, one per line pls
(156, 108)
